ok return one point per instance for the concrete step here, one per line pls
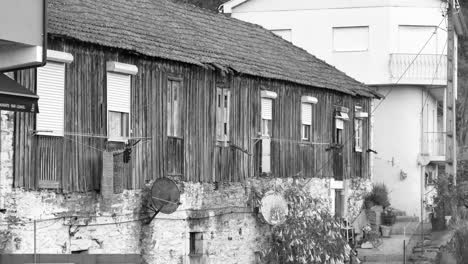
(406, 218)
(383, 258)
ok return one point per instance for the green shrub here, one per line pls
(309, 235)
(461, 243)
(378, 196)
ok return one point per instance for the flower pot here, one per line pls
(388, 219)
(386, 230)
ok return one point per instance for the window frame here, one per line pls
(173, 78)
(266, 134)
(335, 47)
(127, 70)
(359, 116)
(223, 132)
(358, 134)
(340, 116)
(307, 101)
(61, 58)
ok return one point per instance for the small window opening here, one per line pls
(196, 243)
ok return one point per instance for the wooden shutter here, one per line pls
(267, 108)
(306, 114)
(223, 104)
(51, 91)
(219, 114)
(226, 107)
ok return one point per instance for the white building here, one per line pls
(377, 42)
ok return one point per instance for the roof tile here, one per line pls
(180, 32)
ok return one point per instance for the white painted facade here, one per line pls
(376, 42)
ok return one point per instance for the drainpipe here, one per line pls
(371, 140)
(421, 147)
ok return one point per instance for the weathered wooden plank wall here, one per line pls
(196, 156)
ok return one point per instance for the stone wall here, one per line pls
(231, 231)
(223, 216)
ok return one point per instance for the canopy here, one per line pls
(14, 97)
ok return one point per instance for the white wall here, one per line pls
(312, 22)
(397, 137)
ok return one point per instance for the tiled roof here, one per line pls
(180, 32)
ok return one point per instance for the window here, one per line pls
(411, 39)
(306, 117)
(51, 91)
(351, 38)
(118, 100)
(196, 243)
(359, 117)
(284, 33)
(358, 135)
(267, 116)
(340, 117)
(174, 106)
(266, 128)
(223, 104)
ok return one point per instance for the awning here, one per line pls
(14, 97)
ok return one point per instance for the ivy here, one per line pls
(310, 234)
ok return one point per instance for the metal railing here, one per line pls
(424, 69)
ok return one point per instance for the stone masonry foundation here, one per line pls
(223, 218)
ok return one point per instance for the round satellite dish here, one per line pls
(274, 208)
(165, 195)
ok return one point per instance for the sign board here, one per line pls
(22, 33)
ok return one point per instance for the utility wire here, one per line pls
(380, 103)
(411, 63)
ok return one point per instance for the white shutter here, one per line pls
(339, 124)
(51, 91)
(306, 114)
(267, 108)
(118, 92)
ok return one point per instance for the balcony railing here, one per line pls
(434, 144)
(428, 69)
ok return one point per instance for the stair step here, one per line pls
(405, 228)
(406, 218)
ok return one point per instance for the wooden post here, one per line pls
(404, 251)
(450, 153)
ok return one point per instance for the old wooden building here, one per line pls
(176, 91)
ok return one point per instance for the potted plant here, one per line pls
(388, 216)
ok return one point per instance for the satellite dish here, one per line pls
(165, 196)
(274, 208)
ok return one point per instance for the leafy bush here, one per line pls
(309, 235)
(378, 196)
(461, 243)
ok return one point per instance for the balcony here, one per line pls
(426, 69)
(434, 146)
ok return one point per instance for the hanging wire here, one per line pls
(349, 140)
(411, 63)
